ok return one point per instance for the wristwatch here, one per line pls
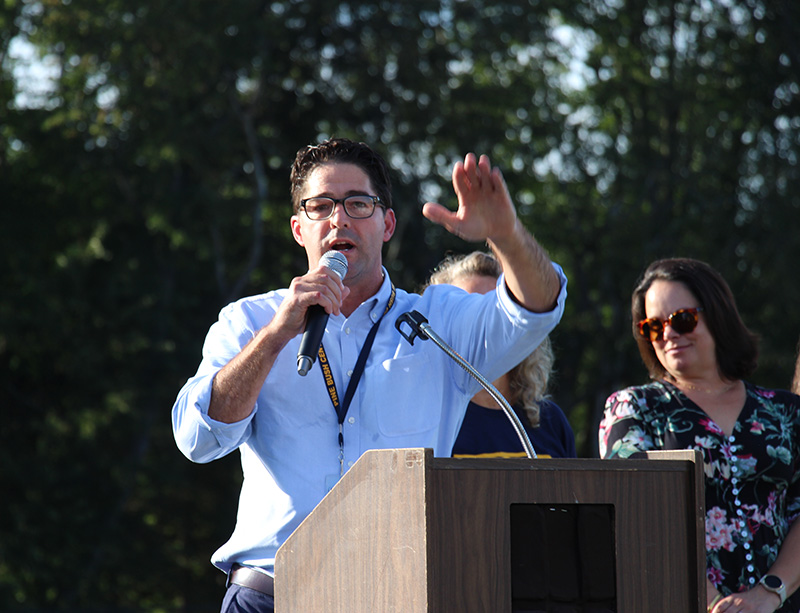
(774, 584)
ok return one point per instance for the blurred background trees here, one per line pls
(144, 160)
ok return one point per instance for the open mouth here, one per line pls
(344, 246)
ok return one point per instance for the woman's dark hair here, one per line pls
(343, 151)
(736, 346)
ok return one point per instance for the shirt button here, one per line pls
(350, 463)
(731, 438)
(347, 330)
(374, 316)
(734, 469)
(750, 569)
(749, 557)
(351, 420)
(752, 579)
(736, 491)
(349, 373)
(747, 546)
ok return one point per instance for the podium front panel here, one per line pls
(406, 532)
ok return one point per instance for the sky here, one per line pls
(34, 76)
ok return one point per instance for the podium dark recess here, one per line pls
(405, 531)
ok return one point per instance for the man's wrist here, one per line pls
(515, 237)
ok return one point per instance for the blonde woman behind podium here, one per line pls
(486, 431)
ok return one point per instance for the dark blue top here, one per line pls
(489, 433)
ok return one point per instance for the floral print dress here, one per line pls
(752, 478)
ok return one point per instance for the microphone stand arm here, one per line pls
(420, 328)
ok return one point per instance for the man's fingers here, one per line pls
(438, 214)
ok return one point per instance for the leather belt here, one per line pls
(254, 579)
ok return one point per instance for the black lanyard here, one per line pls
(341, 408)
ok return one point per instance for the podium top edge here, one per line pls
(650, 460)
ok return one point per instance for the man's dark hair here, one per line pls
(736, 347)
(343, 151)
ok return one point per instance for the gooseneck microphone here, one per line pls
(317, 318)
(420, 328)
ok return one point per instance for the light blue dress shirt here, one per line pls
(408, 396)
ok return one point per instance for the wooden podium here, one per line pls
(406, 532)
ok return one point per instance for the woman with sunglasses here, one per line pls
(698, 353)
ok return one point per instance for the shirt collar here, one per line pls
(378, 301)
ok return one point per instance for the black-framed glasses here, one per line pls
(682, 321)
(359, 206)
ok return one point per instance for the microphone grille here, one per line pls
(336, 262)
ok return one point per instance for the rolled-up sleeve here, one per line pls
(493, 332)
(200, 438)
(519, 314)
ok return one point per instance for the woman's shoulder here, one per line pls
(642, 393)
(554, 419)
(553, 414)
(773, 396)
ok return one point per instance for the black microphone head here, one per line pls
(335, 261)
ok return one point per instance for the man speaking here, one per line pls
(368, 388)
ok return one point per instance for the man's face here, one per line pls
(360, 240)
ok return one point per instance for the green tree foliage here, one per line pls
(149, 188)
(684, 143)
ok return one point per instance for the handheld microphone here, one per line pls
(317, 318)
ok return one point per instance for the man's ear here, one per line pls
(297, 231)
(389, 224)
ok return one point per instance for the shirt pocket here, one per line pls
(407, 396)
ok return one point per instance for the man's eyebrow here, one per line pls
(352, 192)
